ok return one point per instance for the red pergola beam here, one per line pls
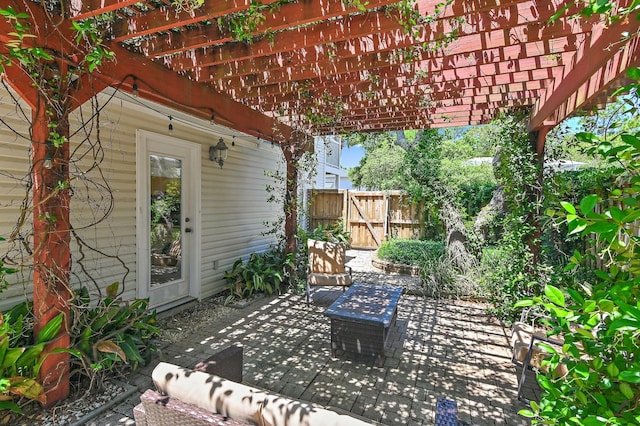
(357, 36)
(287, 16)
(484, 76)
(556, 49)
(366, 62)
(596, 66)
(293, 15)
(464, 78)
(358, 82)
(355, 102)
(166, 18)
(365, 90)
(90, 8)
(160, 85)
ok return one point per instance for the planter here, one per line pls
(396, 268)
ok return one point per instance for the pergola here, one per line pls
(316, 68)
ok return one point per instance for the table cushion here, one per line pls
(366, 303)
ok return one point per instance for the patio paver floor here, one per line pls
(439, 348)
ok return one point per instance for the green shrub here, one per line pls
(110, 335)
(263, 273)
(335, 233)
(410, 252)
(600, 319)
(21, 356)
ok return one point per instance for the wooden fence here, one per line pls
(369, 216)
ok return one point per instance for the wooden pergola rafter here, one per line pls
(305, 50)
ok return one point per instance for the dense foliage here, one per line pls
(410, 252)
(111, 335)
(511, 269)
(262, 273)
(600, 318)
(106, 338)
(21, 355)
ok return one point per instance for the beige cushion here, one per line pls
(326, 257)
(329, 279)
(520, 340)
(279, 411)
(212, 393)
(242, 403)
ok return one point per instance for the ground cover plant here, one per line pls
(107, 338)
(262, 273)
(410, 252)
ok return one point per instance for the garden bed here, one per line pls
(394, 268)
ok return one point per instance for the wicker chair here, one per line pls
(327, 265)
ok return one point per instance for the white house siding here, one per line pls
(234, 199)
(14, 152)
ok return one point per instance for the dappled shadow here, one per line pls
(436, 349)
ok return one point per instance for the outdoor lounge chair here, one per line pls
(327, 265)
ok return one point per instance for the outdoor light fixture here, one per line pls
(48, 157)
(170, 125)
(218, 153)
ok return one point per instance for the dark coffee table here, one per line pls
(361, 319)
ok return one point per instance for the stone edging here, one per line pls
(397, 268)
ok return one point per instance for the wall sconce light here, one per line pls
(48, 157)
(218, 153)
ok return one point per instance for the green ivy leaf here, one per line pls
(589, 306)
(606, 305)
(588, 203)
(555, 295)
(626, 390)
(631, 376)
(523, 303)
(526, 413)
(568, 207)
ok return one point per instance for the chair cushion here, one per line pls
(520, 340)
(326, 257)
(242, 403)
(329, 279)
(234, 400)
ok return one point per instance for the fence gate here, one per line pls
(369, 216)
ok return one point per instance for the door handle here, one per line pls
(187, 229)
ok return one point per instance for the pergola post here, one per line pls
(537, 140)
(292, 155)
(51, 237)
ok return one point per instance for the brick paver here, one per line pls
(439, 349)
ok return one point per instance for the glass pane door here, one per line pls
(166, 219)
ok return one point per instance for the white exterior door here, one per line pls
(168, 220)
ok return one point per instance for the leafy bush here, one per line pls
(410, 252)
(112, 334)
(335, 233)
(263, 273)
(20, 356)
(600, 320)
(474, 196)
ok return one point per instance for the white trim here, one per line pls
(193, 193)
